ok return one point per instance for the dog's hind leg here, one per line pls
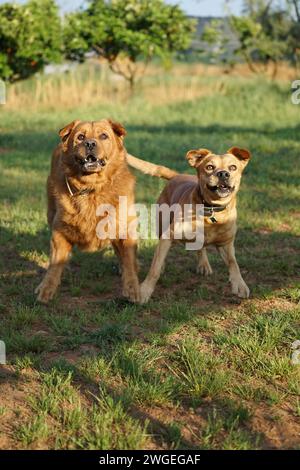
(203, 266)
(157, 265)
(59, 255)
(239, 287)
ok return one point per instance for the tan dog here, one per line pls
(216, 186)
(88, 168)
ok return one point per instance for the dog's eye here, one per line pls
(233, 167)
(210, 167)
(103, 136)
(80, 137)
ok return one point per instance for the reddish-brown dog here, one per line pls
(89, 168)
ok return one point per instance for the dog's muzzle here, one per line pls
(92, 163)
(222, 189)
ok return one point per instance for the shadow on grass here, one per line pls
(146, 136)
(180, 127)
(267, 259)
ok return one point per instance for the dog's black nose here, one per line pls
(90, 144)
(223, 175)
(91, 158)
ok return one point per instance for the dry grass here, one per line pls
(94, 83)
(284, 71)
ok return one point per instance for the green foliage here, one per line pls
(128, 30)
(266, 32)
(213, 34)
(263, 33)
(294, 36)
(30, 37)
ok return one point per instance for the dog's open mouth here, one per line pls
(92, 164)
(222, 189)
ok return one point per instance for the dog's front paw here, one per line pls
(241, 289)
(131, 290)
(204, 269)
(146, 292)
(45, 292)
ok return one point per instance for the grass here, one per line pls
(196, 367)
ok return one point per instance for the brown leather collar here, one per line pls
(209, 210)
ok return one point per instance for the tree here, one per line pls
(296, 6)
(266, 33)
(294, 36)
(30, 37)
(214, 35)
(126, 31)
(263, 33)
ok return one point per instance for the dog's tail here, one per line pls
(150, 168)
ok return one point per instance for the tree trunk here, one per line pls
(297, 10)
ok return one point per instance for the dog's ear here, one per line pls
(65, 132)
(194, 157)
(118, 129)
(242, 154)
